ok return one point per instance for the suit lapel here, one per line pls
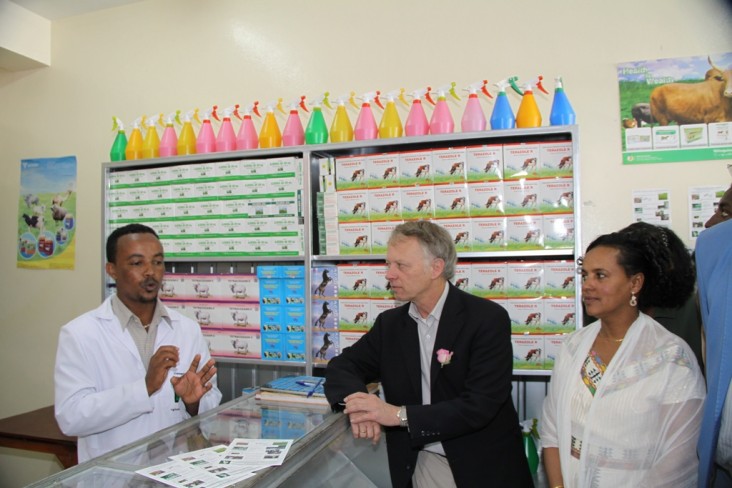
(451, 322)
(409, 340)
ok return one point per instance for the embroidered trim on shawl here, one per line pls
(592, 371)
(648, 366)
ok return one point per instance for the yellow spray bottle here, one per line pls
(187, 137)
(341, 129)
(134, 145)
(391, 124)
(528, 114)
(151, 143)
(270, 135)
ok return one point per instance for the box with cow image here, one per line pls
(353, 206)
(521, 161)
(324, 314)
(556, 195)
(354, 238)
(486, 199)
(379, 286)
(353, 280)
(556, 159)
(193, 287)
(273, 346)
(380, 306)
(347, 339)
(489, 234)
(384, 204)
(380, 233)
(451, 201)
(448, 165)
(525, 314)
(528, 352)
(325, 347)
(720, 134)
(521, 197)
(382, 170)
(525, 279)
(488, 280)
(418, 202)
(524, 233)
(415, 168)
(559, 279)
(354, 315)
(559, 315)
(243, 345)
(324, 281)
(484, 163)
(558, 231)
(552, 346)
(461, 278)
(461, 232)
(350, 172)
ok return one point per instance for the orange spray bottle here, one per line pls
(187, 137)
(151, 143)
(294, 134)
(247, 137)
(341, 129)
(441, 121)
(270, 135)
(391, 124)
(528, 114)
(134, 145)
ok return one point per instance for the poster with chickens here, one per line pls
(47, 213)
(678, 109)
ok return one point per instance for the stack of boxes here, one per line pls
(282, 299)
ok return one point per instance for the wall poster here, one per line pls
(678, 109)
(47, 213)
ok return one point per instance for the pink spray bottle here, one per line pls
(247, 137)
(206, 140)
(473, 117)
(441, 121)
(169, 141)
(294, 134)
(417, 124)
(226, 139)
(365, 128)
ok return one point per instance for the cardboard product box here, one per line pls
(324, 314)
(415, 168)
(528, 352)
(198, 286)
(558, 231)
(271, 318)
(484, 163)
(556, 195)
(283, 206)
(120, 213)
(379, 306)
(208, 208)
(665, 137)
(461, 279)
(720, 134)
(273, 346)
(325, 347)
(254, 167)
(164, 228)
(206, 228)
(324, 281)
(694, 135)
(486, 199)
(418, 202)
(159, 175)
(225, 169)
(560, 278)
(295, 347)
(526, 315)
(244, 315)
(244, 345)
(206, 245)
(560, 315)
(379, 286)
(258, 186)
(556, 159)
(524, 233)
(202, 170)
(293, 271)
(451, 201)
(157, 193)
(269, 271)
(355, 315)
(270, 291)
(293, 291)
(354, 238)
(284, 165)
(181, 306)
(230, 189)
(448, 165)
(353, 281)
(525, 279)
(206, 189)
(137, 195)
(488, 280)
(380, 233)
(119, 195)
(552, 346)
(235, 207)
(521, 161)
(240, 287)
(384, 204)
(460, 231)
(139, 212)
(382, 170)
(180, 172)
(131, 177)
(161, 211)
(350, 172)
(489, 233)
(347, 339)
(353, 206)
(521, 197)
(184, 210)
(180, 191)
(180, 247)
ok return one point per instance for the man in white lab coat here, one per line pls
(131, 367)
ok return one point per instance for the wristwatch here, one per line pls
(402, 416)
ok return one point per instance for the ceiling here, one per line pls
(59, 9)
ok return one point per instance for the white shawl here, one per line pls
(642, 424)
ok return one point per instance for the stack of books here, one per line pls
(295, 390)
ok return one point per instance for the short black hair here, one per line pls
(661, 256)
(123, 231)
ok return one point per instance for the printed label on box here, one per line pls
(451, 201)
(382, 170)
(353, 206)
(524, 233)
(552, 346)
(353, 281)
(486, 199)
(484, 163)
(417, 202)
(384, 205)
(559, 279)
(415, 168)
(355, 315)
(521, 161)
(528, 352)
(556, 159)
(449, 165)
(525, 314)
(354, 238)
(461, 279)
(521, 197)
(556, 195)
(488, 280)
(560, 315)
(489, 234)
(350, 172)
(460, 231)
(379, 286)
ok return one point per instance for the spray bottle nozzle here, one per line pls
(539, 84)
(227, 112)
(445, 89)
(478, 85)
(251, 108)
(372, 95)
(117, 124)
(513, 81)
(298, 102)
(170, 119)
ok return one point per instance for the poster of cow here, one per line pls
(677, 109)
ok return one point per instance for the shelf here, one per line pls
(462, 255)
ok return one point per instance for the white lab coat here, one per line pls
(101, 395)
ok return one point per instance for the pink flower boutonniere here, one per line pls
(443, 357)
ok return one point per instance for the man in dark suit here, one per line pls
(444, 361)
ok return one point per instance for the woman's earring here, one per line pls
(633, 300)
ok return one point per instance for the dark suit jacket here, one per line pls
(472, 412)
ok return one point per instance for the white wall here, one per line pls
(161, 55)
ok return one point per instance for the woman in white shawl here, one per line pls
(625, 399)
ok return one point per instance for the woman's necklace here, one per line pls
(606, 335)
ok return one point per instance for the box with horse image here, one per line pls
(325, 347)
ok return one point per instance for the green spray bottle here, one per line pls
(117, 153)
(317, 131)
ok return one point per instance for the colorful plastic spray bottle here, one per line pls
(117, 153)
(270, 135)
(391, 124)
(417, 124)
(247, 137)
(341, 129)
(528, 114)
(294, 134)
(187, 138)
(502, 116)
(317, 131)
(562, 112)
(206, 140)
(134, 145)
(366, 123)
(169, 141)
(441, 121)
(151, 143)
(226, 138)
(473, 117)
